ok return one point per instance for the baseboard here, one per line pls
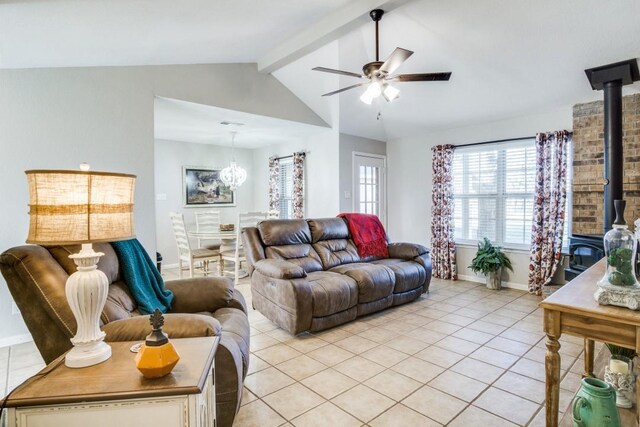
(510, 285)
(170, 265)
(16, 339)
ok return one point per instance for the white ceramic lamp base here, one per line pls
(86, 291)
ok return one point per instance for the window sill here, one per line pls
(505, 248)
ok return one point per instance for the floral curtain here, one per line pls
(443, 248)
(274, 187)
(298, 185)
(548, 207)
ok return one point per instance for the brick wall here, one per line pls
(588, 167)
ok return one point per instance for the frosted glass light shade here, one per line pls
(72, 207)
(233, 176)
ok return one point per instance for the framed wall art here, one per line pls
(202, 186)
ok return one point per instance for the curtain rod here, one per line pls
(291, 155)
(499, 140)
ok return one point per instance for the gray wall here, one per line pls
(56, 118)
(170, 157)
(409, 180)
(348, 145)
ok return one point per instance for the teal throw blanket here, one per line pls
(142, 277)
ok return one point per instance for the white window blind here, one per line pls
(286, 188)
(493, 186)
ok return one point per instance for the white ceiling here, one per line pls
(508, 58)
(176, 120)
(64, 33)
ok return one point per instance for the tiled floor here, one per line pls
(461, 355)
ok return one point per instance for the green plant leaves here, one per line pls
(489, 258)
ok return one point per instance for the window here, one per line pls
(493, 188)
(286, 188)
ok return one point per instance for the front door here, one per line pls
(369, 189)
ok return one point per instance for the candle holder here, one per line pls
(619, 374)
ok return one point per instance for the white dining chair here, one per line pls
(236, 255)
(208, 221)
(185, 253)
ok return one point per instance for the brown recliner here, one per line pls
(205, 306)
(307, 274)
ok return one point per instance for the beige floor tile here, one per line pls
(521, 386)
(256, 364)
(306, 343)
(538, 354)
(257, 414)
(439, 356)
(407, 345)
(443, 327)
(426, 335)
(281, 335)
(458, 385)
(473, 416)
(571, 382)
(494, 357)
(529, 368)
(393, 385)
(478, 370)
(326, 415)
(267, 381)
(507, 405)
(415, 319)
(359, 368)
(402, 416)
(277, 354)
(384, 356)
(490, 328)
(247, 396)
(330, 355)
(293, 400)
(356, 344)
(418, 369)
(265, 325)
(471, 312)
(457, 345)
(449, 308)
(329, 383)
(522, 336)
(431, 313)
(435, 404)
(457, 319)
(398, 327)
(571, 349)
(378, 335)
(356, 327)
(332, 335)
(540, 419)
(301, 367)
(508, 346)
(505, 311)
(262, 341)
(473, 335)
(363, 403)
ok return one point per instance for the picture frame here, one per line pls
(202, 187)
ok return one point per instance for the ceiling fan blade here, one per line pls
(424, 77)
(344, 89)
(331, 70)
(396, 59)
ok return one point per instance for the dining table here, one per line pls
(228, 238)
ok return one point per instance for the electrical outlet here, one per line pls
(161, 196)
(14, 308)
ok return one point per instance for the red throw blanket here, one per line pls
(368, 234)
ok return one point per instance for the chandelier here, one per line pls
(233, 175)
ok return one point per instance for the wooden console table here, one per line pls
(573, 310)
(114, 393)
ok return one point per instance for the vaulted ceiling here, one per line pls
(508, 58)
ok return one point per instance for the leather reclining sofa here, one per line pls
(306, 275)
(204, 306)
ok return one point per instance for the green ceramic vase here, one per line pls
(595, 405)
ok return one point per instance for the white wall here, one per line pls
(321, 174)
(348, 145)
(57, 118)
(170, 157)
(409, 179)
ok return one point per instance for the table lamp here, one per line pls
(82, 207)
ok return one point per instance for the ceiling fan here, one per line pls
(378, 74)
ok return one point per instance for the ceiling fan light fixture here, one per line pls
(391, 93)
(373, 91)
(366, 97)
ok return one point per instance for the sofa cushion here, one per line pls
(302, 254)
(336, 252)
(374, 281)
(278, 232)
(328, 229)
(332, 292)
(409, 274)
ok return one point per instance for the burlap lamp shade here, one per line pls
(72, 207)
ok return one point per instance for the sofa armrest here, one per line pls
(406, 250)
(200, 294)
(175, 325)
(280, 269)
(238, 302)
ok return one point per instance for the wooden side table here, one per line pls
(114, 393)
(573, 310)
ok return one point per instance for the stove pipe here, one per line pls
(610, 78)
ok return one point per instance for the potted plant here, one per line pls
(490, 260)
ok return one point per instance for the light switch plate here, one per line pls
(347, 194)
(161, 196)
